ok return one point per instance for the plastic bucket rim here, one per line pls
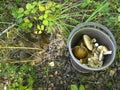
(104, 28)
(86, 67)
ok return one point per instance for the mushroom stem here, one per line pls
(107, 53)
(101, 56)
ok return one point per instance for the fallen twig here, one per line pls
(7, 29)
(12, 47)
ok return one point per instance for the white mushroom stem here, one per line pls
(107, 53)
(101, 56)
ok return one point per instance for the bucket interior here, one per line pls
(102, 39)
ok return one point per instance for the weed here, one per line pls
(41, 16)
(109, 84)
(119, 14)
(100, 8)
(18, 77)
(74, 87)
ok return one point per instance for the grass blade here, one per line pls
(92, 16)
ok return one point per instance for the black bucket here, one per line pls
(103, 36)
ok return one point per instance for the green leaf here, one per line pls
(42, 27)
(27, 12)
(14, 13)
(38, 27)
(35, 3)
(41, 8)
(20, 15)
(20, 10)
(49, 30)
(82, 87)
(53, 9)
(26, 20)
(49, 5)
(21, 87)
(45, 16)
(51, 18)
(28, 6)
(73, 87)
(47, 11)
(45, 22)
(23, 25)
(119, 18)
(109, 84)
(41, 17)
(19, 20)
(35, 18)
(118, 9)
(33, 11)
(30, 25)
(58, 6)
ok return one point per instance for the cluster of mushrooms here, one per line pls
(90, 53)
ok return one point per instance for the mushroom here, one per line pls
(94, 62)
(94, 40)
(101, 57)
(80, 52)
(84, 61)
(96, 55)
(94, 50)
(107, 52)
(96, 44)
(88, 42)
(104, 49)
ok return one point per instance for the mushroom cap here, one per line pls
(80, 52)
(102, 48)
(88, 42)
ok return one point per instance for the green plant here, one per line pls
(18, 77)
(81, 87)
(74, 87)
(119, 14)
(109, 84)
(100, 8)
(41, 16)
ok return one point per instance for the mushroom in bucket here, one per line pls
(90, 53)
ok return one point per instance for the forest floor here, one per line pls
(42, 62)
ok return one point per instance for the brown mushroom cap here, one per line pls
(88, 42)
(80, 52)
